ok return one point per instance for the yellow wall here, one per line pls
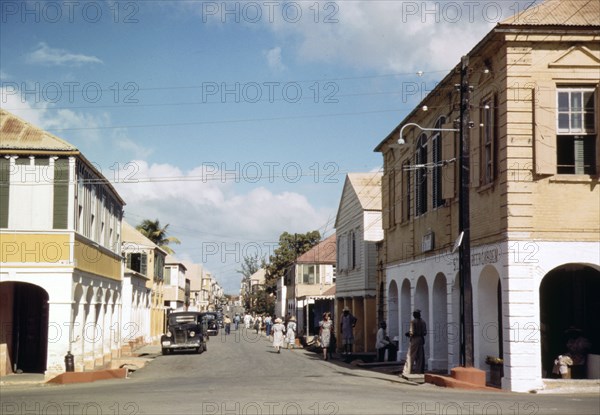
(92, 259)
(35, 248)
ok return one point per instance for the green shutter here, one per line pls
(144, 264)
(4, 191)
(61, 193)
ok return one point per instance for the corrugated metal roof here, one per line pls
(559, 13)
(18, 134)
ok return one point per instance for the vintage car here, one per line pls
(212, 320)
(186, 331)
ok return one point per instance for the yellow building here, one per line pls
(60, 265)
(534, 198)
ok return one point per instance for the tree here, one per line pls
(152, 230)
(291, 246)
(250, 265)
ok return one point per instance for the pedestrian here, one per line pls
(268, 325)
(415, 358)
(383, 343)
(227, 323)
(348, 321)
(257, 324)
(278, 329)
(291, 333)
(325, 329)
(247, 320)
(236, 321)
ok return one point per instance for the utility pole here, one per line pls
(464, 253)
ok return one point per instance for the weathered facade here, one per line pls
(358, 229)
(533, 193)
(61, 266)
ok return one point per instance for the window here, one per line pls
(352, 250)
(488, 140)
(392, 199)
(436, 141)
(421, 176)
(577, 132)
(308, 274)
(137, 262)
(406, 189)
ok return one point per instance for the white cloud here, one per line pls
(216, 221)
(403, 36)
(46, 55)
(274, 59)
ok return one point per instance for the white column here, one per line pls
(59, 317)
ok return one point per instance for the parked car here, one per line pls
(186, 330)
(212, 320)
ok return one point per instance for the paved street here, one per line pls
(241, 374)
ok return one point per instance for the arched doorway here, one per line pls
(439, 331)
(25, 312)
(568, 297)
(488, 331)
(393, 323)
(422, 303)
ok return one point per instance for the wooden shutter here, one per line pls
(144, 264)
(385, 201)
(597, 129)
(449, 143)
(544, 128)
(4, 191)
(61, 194)
(398, 195)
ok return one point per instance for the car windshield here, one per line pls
(182, 318)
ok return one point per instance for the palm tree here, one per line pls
(152, 230)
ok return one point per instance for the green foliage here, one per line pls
(250, 265)
(152, 230)
(260, 302)
(291, 246)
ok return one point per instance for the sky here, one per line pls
(231, 121)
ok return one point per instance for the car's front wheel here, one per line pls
(165, 351)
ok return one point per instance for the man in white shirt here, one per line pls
(383, 343)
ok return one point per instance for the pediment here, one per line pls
(577, 57)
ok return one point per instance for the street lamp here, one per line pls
(464, 238)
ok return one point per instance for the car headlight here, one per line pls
(192, 333)
(169, 334)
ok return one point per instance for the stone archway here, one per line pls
(393, 323)
(25, 310)
(422, 303)
(569, 298)
(488, 324)
(439, 330)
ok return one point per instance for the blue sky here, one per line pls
(231, 121)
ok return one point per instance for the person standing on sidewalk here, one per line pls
(325, 329)
(291, 333)
(415, 358)
(278, 329)
(348, 323)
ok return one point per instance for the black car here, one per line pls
(212, 320)
(186, 330)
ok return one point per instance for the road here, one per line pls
(241, 374)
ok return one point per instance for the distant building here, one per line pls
(358, 229)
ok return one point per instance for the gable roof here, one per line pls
(322, 253)
(366, 187)
(18, 134)
(558, 13)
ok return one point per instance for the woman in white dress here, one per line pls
(278, 329)
(326, 327)
(291, 332)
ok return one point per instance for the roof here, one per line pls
(558, 13)
(259, 276)
(171, 260)
(368, 189)
(18, 134)
(322, 253)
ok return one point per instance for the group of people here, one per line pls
(415, 358)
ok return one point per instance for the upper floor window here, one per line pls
(436, 142)
(577, 130)
(406, 190)
(488, 139)
(421, 176)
